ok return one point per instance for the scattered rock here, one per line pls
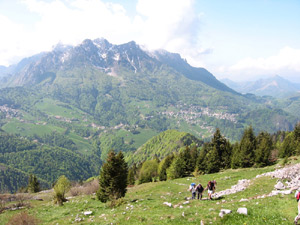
(182, 214)
(226, 211)
(168, 204)
(242, 211)
(187, 202)
(244, 200)
(279, 186)
(86, 213)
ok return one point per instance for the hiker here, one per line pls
(297, 196)
(199, 190)
(193, 190)
(214, 185)
(210, 189)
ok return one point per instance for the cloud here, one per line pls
(170, 24)
(11, 42)
(285, 63)
(287, 58)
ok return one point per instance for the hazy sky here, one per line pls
(236, 39)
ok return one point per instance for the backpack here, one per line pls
(298, 196)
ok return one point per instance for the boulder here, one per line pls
(242, 211)
(279, 186)
(224, 212)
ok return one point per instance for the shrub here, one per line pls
(23, 219)
(61, 187)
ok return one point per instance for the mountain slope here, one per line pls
(96, 91)
(275, 86)
(198, 74)
(162, 145)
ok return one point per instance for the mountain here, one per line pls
(101, 96)
(274, 86)
(167, 142)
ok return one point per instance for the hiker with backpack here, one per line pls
(199, 190)
(297, 196)
(193, 190)
(210, 189)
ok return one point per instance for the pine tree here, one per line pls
(201, 163)
(163, 166)
(33, 184)
(177, 168)
(188, 162)
(113, 177)
(236, 158)
(130, 178)
(288, 146)
(247, 148)
(263, 150)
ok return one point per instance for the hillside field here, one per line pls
(144, 204)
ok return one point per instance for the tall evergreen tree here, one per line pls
(263, 150)
(113, 177)
(163, 166)
(288, 146)
(247, 148)
(188, 162)
(236, 158)
(201, 163)
(130, 178)
(177, 168)
(33, 184)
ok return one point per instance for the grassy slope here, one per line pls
(149, 208)
(160, 145)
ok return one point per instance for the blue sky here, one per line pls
(236, 39)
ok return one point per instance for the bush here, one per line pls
(61, 187)
(23, 219)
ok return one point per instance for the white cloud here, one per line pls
(172, 25)
(169, 24)
(285, 63)
(287, 58)
(11, 41)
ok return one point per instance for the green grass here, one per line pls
(29, 129)
(143, 204)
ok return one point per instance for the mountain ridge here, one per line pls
(275, 86)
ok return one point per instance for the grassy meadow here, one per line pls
(144, 204)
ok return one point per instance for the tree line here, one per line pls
(218, 154)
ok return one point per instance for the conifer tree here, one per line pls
(163, 166)
(201, 163)
(130, 178)
(247, 148)
(113, 177)
(188, 162)
(263, 150)
(177, 168)
(33, 184)
(288, 146)
(236, 158)
(213, 161)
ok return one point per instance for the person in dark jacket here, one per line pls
(199, 191)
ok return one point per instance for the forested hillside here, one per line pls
(20, 157)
